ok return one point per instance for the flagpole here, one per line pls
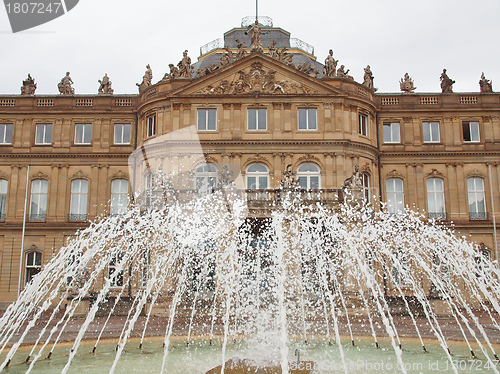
(24, 230)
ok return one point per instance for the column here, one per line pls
(329, 170)
(452, 208)
(54, 198)
(463, 196)
(16, 192)
(338, 171)
(421, 195)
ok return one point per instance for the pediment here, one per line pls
(257, 75)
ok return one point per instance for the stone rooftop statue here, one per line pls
(485, 84)
(29, 86)
(65, 85)
(368, 78)
(105, 86)
(241, 50)
(406, 84)
(185, 68)
(342, 73)
(254, 32)
(330, 69)
(146, 79)
(273, 51)
(446, 83)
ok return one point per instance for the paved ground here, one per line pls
(360, 328)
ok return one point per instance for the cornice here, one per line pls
(439, 154)
(267, 144)
(62, 155)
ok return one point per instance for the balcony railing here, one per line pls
(37, 217)
(256, 198)
(77, 217)
(438, 216)
(478, 216)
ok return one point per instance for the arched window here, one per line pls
(395, 195)
(205, 178)
(115, 269)
(400, 268)
(149, 181)
(79, 193)
(435, 198)
(33, 265)
(483, 264)
(257, 177)
(365, 183)
(119, 196)
(477, 203)
(38, 206)
(309, 176)
(3, 198)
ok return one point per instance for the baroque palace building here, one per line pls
(258, 101)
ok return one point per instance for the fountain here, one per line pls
(201, 272)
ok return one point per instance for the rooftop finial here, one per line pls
(256, 10)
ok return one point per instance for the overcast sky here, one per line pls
(120, 37)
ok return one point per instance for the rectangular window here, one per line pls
(257, 119)
(308, 119)
(431, 132)
(207, 119)
(43, 134)
(363, 124)
(122, 133)
(391, 133)
(83, 134)
(6, 134)
(470, 131)
(151, 125)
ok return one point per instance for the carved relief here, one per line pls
(309, 158)
(257, 158)
(474, 173)
(435, 174)
(394, 174)
(79, 175)
(256, 79)
(365, 169)
(119, 175)
(4, 175)
(39, 175)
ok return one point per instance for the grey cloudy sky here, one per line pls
(120, 37)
